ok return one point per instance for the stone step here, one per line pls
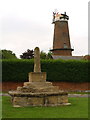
(48, 89)
(34, 87)
(39, 84)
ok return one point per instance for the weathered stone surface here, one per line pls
(26, 89)
(46, 89)
(48, 100)
(39, 84)
(20, 101)
(37, 76)
(35, 101)
(52, 100)
(41, 96)
(62, 99)
(37, 94)
(37, 67)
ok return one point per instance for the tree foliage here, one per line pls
(86, 57)
(7, 54)
(27, 55)
(49, 55)
(44, 55)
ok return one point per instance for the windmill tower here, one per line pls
(61, 39)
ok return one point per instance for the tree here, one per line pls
(7, 54)
(49, 55)
(43, 55)
(0, 54)
(27, 55)
(86, 57)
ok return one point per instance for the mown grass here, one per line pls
(78, 109)
(0, 107)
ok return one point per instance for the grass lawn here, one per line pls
(0, 107)
(78, 109)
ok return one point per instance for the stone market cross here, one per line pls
(38, 91)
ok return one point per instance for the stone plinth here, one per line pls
(38, 94)
(39, 99)
(37, 76)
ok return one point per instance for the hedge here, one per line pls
(57, 70)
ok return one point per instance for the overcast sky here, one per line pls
(25, 24)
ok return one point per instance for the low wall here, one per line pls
(68, 86)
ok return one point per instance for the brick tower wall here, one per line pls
(61, 39)
(62, 52)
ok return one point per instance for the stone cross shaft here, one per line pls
(37, 66)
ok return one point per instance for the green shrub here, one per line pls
(57, 70)
(7, 54)
(16, 70)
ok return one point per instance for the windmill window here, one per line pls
(65, 46)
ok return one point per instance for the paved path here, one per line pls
(78, 95)
(4, 94)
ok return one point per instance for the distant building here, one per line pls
(61, 39)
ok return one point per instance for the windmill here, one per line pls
(64, 16)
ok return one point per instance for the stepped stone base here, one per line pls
(39, 99)
(38, 92)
